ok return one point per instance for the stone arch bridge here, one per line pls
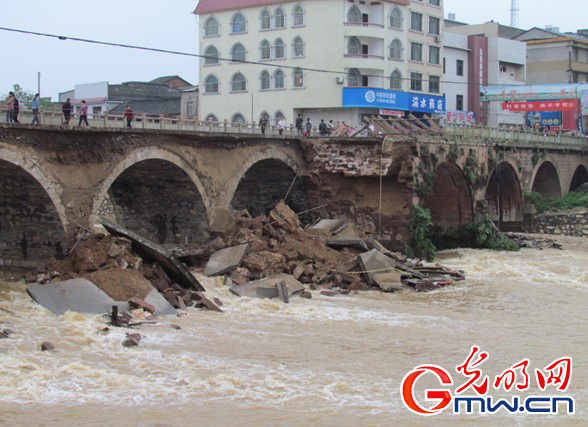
(181, 187)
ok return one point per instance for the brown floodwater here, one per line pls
(326, 361)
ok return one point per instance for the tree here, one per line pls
(25, 97)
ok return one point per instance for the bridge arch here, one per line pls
(450, 202)
(504, 194)
(580, 177)
(32, 216)
(546, 180)
(263, 180)
(156, 194)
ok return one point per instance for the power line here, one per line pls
(195, 55)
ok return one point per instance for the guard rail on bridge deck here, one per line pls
(500, 136)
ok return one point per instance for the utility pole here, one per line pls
(514, 13)
(39, 83)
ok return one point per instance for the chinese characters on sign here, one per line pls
(460, 117)
(427, 104)
(563, 105)
(393, 100)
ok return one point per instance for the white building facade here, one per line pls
(455, 71)
(298, 57)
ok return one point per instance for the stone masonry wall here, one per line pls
(574, 223)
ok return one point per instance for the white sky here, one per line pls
(169, 25)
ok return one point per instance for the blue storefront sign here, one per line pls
(392, 99)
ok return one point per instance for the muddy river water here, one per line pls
(326, 361)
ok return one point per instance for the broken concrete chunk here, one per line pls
(139, 303)
(264, 263)
(225, 261)
(208, 303)
(328, 293)
(282, 290)
(47, 346)
(329, 225)
(149, 250)
(373, 262)
(347, 237)
(268, 286)
(389, 282)
(132, 340)
(285, 217)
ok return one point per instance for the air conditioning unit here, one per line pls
(438, 39)
(340, 80)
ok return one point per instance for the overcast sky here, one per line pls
(168, 25)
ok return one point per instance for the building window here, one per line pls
(354, 14)
(238, 53)
(211, 55)
(459, 67)
(354, 78)
(265, 116)
(238, 24)
(459, 102)
(190, 108)
(238, 118)
(298, 77)
(238, 83)
(444, 66)
(265, 80)
(396, 49)
(416, 81)
(298, 16)
(434, 55)
(279, 49)
(298, 47)
(211, 85)
(396, 18)
(278, 116)
(434, 83)
(416, 21)
(211, 27)
(279, 18)
(265, 49)
(265, 20)
(435, 2)
(279, 81)
(416, 51)
(354, 46)
(396, 80)
(434, 25)
(211, 118)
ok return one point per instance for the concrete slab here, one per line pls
(330, 225)
(225, 261)
(154, 252)
(266, 288)
(347, 236)
(79, 295)
(374, 262)
(389, 282)
(162, 307)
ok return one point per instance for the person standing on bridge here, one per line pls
(35, 106)
(83, 114)
(263, 124)
(16, 110)
(129, 115)
(281, 125)
(299, 122)
(9, 105)
(66, 109)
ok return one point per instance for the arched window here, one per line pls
(396, 17)
(211, 27)
(238, 24)
(298, 77)
(264, 115)
(279, 49)
(238, 53)
(279, 18)
(396, 79)
(354, 46)
(211, 55)
(278, 116)
(211, 118)
(298, 47)
(238, 83)
(265, 80)
(298, 16)
(265, 19)
(354, 78)
(265, 50)
(354, 14)
(211, 84)
(396, 49)
(279, 82)
(237, 118)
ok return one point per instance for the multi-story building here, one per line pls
(554, 57)
(494, 60)
(324, 59)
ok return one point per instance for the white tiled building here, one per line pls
(392, 44)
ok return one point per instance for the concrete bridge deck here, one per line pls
(179, 186)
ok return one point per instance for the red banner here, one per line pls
(565, 105)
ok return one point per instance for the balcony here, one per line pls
(363, 56)
(363, 24)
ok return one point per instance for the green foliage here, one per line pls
(420, 245)
(486, 236)
(453, 154)
(570, 201)
(470, 169)
(491, 160)
(537, 157)
(25, 97)
(424, 186)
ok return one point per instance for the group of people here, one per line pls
(305, 128)
(12, 107)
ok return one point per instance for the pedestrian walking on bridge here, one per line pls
(35, 106)
(129, 115)
(9, 106)
(83, 114)
(66, 109)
